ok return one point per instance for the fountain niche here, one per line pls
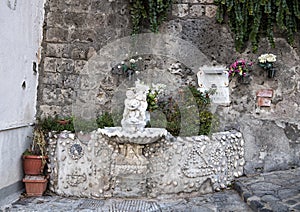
(134, 161)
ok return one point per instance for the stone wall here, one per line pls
(75, 30)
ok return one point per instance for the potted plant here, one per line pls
(34, 158)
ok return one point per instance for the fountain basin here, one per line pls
(147, 136)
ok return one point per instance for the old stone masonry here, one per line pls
(103, 167)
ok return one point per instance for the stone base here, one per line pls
(171, 166)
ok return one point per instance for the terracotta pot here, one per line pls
(35, 186)
(33, 164)
(63, 122)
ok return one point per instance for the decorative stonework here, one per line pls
(76, 151)
(167, 167)
(75, 179)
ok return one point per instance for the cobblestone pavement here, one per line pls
(227, 200)
(275, 191)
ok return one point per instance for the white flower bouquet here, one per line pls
(266, 61)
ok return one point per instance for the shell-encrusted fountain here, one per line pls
(134, 119)
(132, 161)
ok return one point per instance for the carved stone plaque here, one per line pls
(215, 77)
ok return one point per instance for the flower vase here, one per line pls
(271, 72)
(244, 79)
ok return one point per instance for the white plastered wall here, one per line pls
(20, 40)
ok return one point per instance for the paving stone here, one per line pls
(288, 193)
(269, 198)
(227, 200)
(265, 210)
(291, 202)
(275, 191)
(278, 207)
(263, 192)
(297, 207)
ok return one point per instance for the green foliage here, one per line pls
(172, 113)
(56, 124)
(105, 120)
(201, 124)
(150, 12)
(152, 99)
(250, 19)
(70, 124)
(208, 121)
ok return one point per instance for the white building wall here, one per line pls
(20, 39)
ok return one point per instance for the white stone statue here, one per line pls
(134, 116)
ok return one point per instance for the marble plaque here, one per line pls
(215, 77)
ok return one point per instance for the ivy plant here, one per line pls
(252, 18)
(148, 13)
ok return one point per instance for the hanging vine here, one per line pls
(249, 19)
(148, 13)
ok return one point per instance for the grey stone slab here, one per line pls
(278, 207)
(264, 186)
(288, 193)
(275, 191)
(263, 192)
(291, 202)
(297, 207)
(269, 198)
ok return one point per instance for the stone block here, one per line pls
(58, 65)
(104, 7)
(83, 35)
(69, 80)
(55, 19)
(76, 5)
(52, 78)
(180, 10)
(65, 96)
(68, 5)
(54, 5)
(78, 52)
(50, 64)
(66, 110)
(210, 11)
(49, 110)
(57, 50)
(79, 65)
(96, 20)
(54, 34)
(117, 21)
(49, 95)
(197, 10)
(76, 20)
